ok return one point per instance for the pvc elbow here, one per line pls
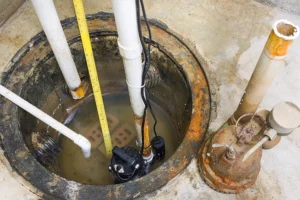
(84, 144)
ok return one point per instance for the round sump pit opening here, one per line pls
(180, 98)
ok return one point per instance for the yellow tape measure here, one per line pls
(89, 56)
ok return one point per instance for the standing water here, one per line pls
(94, 170)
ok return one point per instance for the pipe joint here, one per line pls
(148, 159)
(78, 93)
(84, 144)
(130, 53)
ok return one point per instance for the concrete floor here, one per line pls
(229, 35)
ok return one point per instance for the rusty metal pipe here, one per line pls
(270, 62)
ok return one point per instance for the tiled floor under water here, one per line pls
(94, 170)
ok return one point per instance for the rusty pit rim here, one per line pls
(51, 186)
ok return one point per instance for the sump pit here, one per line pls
(182, 97)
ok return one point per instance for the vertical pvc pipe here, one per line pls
(270, 62)
(131, 49)
(50, 22)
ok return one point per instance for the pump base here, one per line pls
(222, 184)
(227, 173)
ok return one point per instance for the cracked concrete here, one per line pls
(229, 36)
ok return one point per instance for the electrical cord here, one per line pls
(147, 62)
(152, 112)
(118, 177)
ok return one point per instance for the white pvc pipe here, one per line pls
(268, 66)
(50, 22)
(81, 141)
(130, 49)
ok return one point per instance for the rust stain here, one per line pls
(173, 171)
(79, 92)
(206, 161)
(277, 46)
(198, 104)
(147, 147)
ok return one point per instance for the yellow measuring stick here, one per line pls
(89, 56)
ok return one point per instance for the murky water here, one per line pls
(94, 170)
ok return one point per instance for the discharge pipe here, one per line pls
(269, 63)
(50, 22)
(79, 140)
(131, 51)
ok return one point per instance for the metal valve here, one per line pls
(283, 120)
(229, 160)
(270, 134)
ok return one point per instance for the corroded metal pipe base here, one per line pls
(221, 160)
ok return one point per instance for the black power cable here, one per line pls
(147, 62)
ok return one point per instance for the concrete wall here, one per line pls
(8, 8)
